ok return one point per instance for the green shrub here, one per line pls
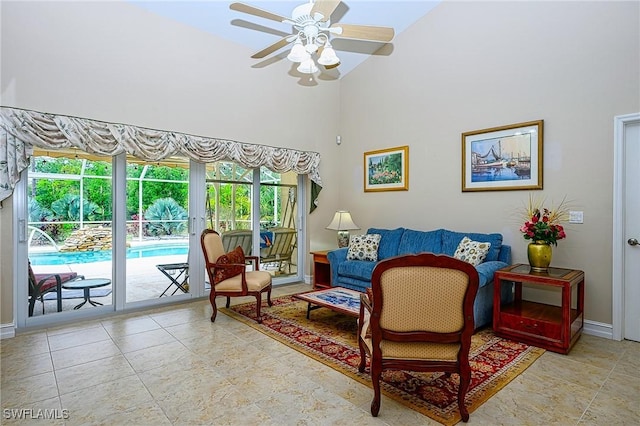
(166, 217)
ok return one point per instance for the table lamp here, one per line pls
(342, 223)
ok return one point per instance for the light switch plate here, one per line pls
(576, 217)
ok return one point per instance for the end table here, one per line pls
(321, 270)
(555, 328)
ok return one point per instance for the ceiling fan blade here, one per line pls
(325, 8)
(245, 8)
(362, 32)
(272, 48)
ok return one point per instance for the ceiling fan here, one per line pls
(312, 30)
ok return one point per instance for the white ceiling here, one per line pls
(215, 17)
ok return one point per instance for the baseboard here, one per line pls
(598, 329)
(7, 331)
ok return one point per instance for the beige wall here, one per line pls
(465, 66)
(6, 277)
(115, 62)
(475, 65)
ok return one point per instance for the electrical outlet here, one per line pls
(576, 217)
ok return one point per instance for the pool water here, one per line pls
(63, 258)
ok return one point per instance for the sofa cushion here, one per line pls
(389, 241)
(358, 269)
(420, 241)
(473, 252)
(364, 247)
(450, 241)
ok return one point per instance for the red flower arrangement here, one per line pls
(542, 225)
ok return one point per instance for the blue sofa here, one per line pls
(356, 274)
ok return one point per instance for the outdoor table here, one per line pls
(86, 286)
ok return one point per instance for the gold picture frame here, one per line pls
(503, 158)
(386, 170)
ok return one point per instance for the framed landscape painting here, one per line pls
(386, 170)
(503, 158)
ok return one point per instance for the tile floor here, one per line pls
(172, 366)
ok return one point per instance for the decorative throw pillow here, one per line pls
(473, 252)
(234, 256)
(364, 247)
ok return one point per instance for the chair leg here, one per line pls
(269, 302)
(32, 303)
(465, 381)
(58, 295)
(258, 306)
(363, 355)
(228, 302)
(376, 373)
(212, 300)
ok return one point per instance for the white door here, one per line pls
(632, 234)
(627, 228)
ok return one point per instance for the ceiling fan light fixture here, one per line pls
(311, 48)
(328, 56)
(298, 53)
(307, 67)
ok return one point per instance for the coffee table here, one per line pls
(86, 285)
(337, 299)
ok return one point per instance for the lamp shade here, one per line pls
(298, 54)
(342, 222)
(328, 56)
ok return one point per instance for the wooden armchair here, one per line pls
(41, 284)
(228, 273)
(418, 316)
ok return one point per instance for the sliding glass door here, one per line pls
(69, 203)
(123, 233)
(157, 244)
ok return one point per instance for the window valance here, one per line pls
(22, 129)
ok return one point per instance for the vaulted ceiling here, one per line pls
(217, 18)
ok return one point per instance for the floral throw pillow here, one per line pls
(473, 252)
(364, 247)
(234, 256)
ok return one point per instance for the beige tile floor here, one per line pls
(173, 366)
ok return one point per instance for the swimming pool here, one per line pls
(63, 258)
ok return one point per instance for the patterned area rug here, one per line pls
(330, 338)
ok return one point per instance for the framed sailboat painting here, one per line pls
(503, 158)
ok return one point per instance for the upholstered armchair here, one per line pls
(228, 273)
(418, 316)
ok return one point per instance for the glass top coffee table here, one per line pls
(337, 299)
(86, 286)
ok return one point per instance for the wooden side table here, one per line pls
(321, 269)
(555, 328)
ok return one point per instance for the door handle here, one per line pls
(632, 242)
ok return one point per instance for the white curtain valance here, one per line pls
(21, 129)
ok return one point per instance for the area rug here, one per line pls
(330, 337)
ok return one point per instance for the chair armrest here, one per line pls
(255, 260)
(229, 265)
(365, 301)
(364, 317)
(42, 281)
